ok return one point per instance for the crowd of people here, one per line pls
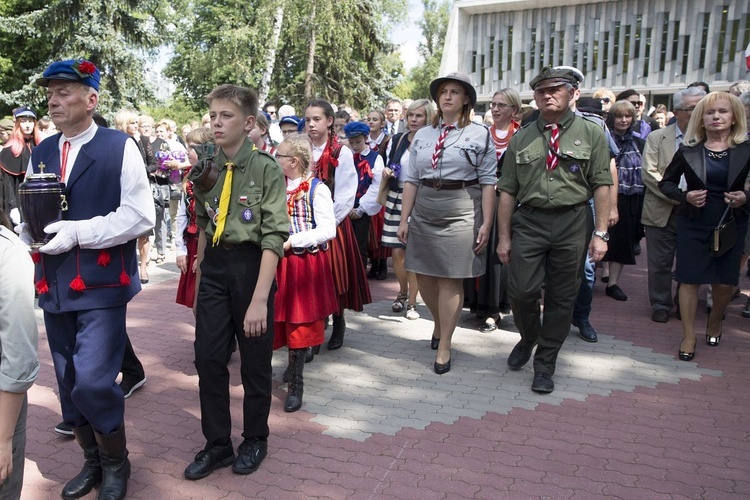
(279, 220)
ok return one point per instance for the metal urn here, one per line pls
(42, 202)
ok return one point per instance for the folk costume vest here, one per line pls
(302, 214)
(83, 279)
(364, 165)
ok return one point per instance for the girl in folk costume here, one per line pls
(260, 136)
(306, 294)
(418, 115)
(200, 145)
(334, 165)
(378, 141)
(369, 165)
(486, 295)
(14, 157)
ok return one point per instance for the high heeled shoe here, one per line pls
(714, 340)
(434, 343)
(686, 356)
(441, 368)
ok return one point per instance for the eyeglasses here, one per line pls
(284, 156)
(637, 104)
(689, 110)
(605, 100)
(499, 105)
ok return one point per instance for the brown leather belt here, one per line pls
(439, 184)
(551, 210)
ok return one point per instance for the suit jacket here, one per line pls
(658, 153)
(398, 127)
(691, 161)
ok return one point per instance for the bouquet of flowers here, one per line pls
(164, 155)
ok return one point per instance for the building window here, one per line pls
(676, 40)
(510, 48)
(704, 40)
(735, 37)
(647, 57)
(500, 60)
(685, 54)
(596, 46)
(492, 51)
(664, 40)
(626, 50)
(523, 67)
(474, 61)
(616, 45)
(576, 45)
(638, 30)
(481, 70)
(722, 39)
(605, 55)
(532, 54)
(561, 50)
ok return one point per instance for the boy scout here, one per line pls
(552, 168)
(243, 224)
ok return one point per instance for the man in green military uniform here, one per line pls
(243, 223)
(552, 167)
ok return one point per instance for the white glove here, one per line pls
(15, 216)
(65, 239)
(23, 234)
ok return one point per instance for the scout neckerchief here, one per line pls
(439, 145)
(226, 195)
(329, 160)
(554, 145)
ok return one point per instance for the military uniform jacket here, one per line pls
(257, 209)
(583, 164)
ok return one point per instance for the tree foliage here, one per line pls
(117, 35)
(353, 62)
(434, 27)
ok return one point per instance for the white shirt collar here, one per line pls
(80, 139)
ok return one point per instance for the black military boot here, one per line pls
(287, 373)
(91, 474)
(337, 334)
(115, 464)
(294, 392)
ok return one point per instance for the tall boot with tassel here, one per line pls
(115, 464)
(337, 334)
(294, 392)
(91, 474)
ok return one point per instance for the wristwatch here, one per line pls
(602, 234)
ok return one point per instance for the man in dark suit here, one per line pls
(394, 124)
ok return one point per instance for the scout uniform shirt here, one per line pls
(257, 208)
(583, 164)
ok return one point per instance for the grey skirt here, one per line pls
(443, 230)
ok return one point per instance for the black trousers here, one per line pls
(132, 367)
(361, 228)
(228, 279)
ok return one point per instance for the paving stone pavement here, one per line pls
(626, 420)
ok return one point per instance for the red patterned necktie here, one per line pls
(64, 160)
(554, 145)
(439, 145)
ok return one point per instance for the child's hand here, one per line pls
(255, 319)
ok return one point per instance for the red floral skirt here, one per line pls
(186, 287)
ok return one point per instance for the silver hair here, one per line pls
(745, 98)
(677, 98)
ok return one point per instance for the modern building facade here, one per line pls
(654, 46)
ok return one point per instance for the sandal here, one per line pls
(398, 304)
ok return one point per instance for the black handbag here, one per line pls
(724, 235)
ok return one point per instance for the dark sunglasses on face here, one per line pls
(605, 100)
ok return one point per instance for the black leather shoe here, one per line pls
(249, 456)
(746, 311)
(660, 316)
(441, 368)
(519, 356)
(434, 343)
(309, 355)
(616, 293)
(586, 331)
(542, 383)
(208, 460)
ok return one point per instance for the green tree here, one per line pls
(434, 26)
(117, 35)
(337, 50)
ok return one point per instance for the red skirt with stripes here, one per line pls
(374, 248)
(348, 270)
(306, 292)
